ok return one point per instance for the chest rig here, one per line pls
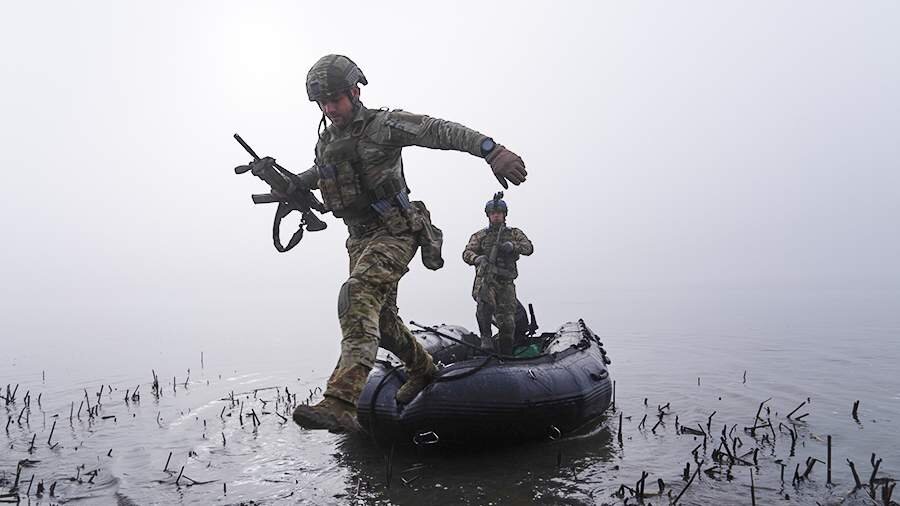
(341, 169)
(505, 264)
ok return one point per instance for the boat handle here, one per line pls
(555, 433)
(601, 376)
(426, 438)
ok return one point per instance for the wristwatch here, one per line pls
(487, 145)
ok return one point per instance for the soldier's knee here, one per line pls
(345, 295)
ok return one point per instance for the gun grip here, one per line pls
(240, 169)
(313, 223)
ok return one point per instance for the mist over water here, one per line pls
(712, 187)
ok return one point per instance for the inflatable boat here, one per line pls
(558, 384)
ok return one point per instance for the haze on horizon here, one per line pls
(699, 145)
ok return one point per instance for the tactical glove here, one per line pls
(480, 260)
(507, 248)
(506, 166)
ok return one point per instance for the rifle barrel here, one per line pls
(246, 147)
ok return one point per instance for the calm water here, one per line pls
(829, 346)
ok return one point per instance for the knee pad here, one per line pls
(344, 296)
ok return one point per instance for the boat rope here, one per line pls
(391, 370)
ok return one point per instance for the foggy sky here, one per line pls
(670, 146)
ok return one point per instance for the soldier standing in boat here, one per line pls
(494, 252)
(359, 171)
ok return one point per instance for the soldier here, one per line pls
(494, 251)
(359, 171)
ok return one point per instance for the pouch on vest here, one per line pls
(430, 238)
(338, 178)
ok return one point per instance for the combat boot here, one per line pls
(331, 413)
(414, 384)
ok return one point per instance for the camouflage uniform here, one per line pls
(497, 297)
(360, 173)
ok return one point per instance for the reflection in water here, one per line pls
(544, 472)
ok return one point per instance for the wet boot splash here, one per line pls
(332, 414)
(414, 384)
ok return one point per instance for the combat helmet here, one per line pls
(332, 75)
(496, 204)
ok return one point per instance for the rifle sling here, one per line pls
(283, 210)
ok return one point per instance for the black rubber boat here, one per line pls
(491, 398)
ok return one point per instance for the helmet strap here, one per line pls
(322, 126)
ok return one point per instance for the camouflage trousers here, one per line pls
(367, 309)
(498, 300)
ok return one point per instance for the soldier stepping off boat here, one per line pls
(359, 171)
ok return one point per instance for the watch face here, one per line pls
(487, 145)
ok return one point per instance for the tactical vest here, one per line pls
(506, 264)
(339, 177)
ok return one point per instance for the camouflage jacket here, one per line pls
(361, 164)
(482, 242)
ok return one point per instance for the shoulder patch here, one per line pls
(404, 121)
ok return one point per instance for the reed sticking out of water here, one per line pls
(855, 409)
(875, 465)
(855, 474)
(828, 465)
(639, 486)
(810, 462)
(643, 421)
(752, 489)
(34, 436)
(179, 476)
(223, 439)
(166, 467)
(709, 421)
(793, 441)
(154, 387)
(620, 429)
(758, 411)
(796, 409)
(224, 488)
(653, 430)
(745, 376)
(51, 433)
(699, 466)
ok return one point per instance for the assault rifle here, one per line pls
(288, 191)
(489, 269)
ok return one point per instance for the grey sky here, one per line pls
(669, 145)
